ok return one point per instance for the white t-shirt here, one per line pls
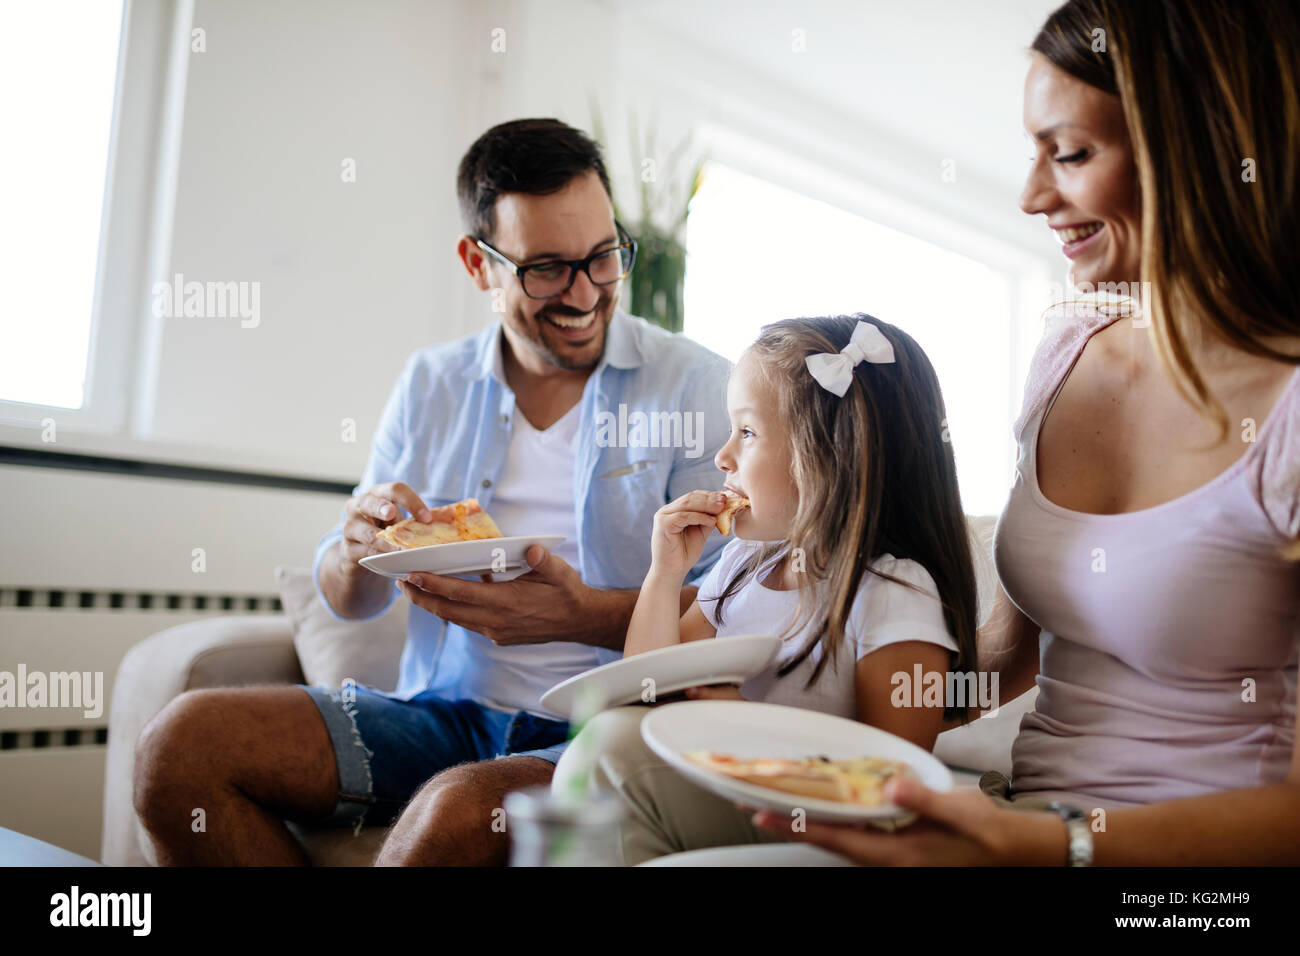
(534, 495)
(534, 491)
(883, 613)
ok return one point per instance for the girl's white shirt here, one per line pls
(884, 612)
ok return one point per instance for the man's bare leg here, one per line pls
(449, 820)
(247, 757)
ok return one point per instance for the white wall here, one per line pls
(354, 276)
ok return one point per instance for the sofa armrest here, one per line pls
(216, 652)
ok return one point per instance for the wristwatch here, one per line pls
(1076, 823)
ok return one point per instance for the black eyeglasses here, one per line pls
(543, 280)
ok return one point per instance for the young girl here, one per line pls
(854, 548)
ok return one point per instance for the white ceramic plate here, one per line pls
(461, 557)
(720, 660)
(751, 730)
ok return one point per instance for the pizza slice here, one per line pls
(462, 521)
(730, 507)
(859, 780)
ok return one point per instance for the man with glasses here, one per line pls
(510, 416)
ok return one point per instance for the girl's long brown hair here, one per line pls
(875, 474)
(1209, 93)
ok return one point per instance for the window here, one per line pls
(58, 67)
(758, 253)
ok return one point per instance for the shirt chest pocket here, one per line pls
(629, 469)
(633, 487)
(636, 479)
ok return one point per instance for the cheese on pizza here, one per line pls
(858, 780)
(462, 521)
(733, 504)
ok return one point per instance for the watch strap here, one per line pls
(1079, 852)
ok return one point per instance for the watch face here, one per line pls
(1065, 812)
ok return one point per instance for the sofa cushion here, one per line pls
(331, 650)
(338, 846)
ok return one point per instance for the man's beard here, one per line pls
(547, 342)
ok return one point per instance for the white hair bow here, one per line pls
(834, 370)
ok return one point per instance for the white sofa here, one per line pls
(240, 650)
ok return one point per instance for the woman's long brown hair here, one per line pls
(1210, 96)
(876, 476)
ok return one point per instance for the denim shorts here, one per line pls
(386, 747)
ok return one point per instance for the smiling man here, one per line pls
(510, 416)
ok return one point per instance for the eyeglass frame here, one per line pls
(575, 265)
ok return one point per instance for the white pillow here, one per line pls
(331, 650)
(985, 743)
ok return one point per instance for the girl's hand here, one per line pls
(714, 692)
(962, 828)
(681, 528)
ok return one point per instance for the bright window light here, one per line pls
(58, 68)
(757, 253)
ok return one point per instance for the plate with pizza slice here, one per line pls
(459, 539)
(783, 759)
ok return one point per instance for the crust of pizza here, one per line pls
(461, 521)
(733, 504)
(860, 780)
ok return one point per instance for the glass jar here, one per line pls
(546, 830)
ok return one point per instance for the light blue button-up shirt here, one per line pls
(653, 415)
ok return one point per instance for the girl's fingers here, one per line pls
(679, 522)
(707, 502)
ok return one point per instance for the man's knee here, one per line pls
(267, 744)
(469, 797)
(459, 814)
(449, 802)
(200, 738)
(166, 749)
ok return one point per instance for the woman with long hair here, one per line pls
(1147, 554)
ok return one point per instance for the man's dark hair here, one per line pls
(535, 156)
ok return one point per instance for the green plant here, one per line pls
(658, 279)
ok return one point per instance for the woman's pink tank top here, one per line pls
(1169, 635)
